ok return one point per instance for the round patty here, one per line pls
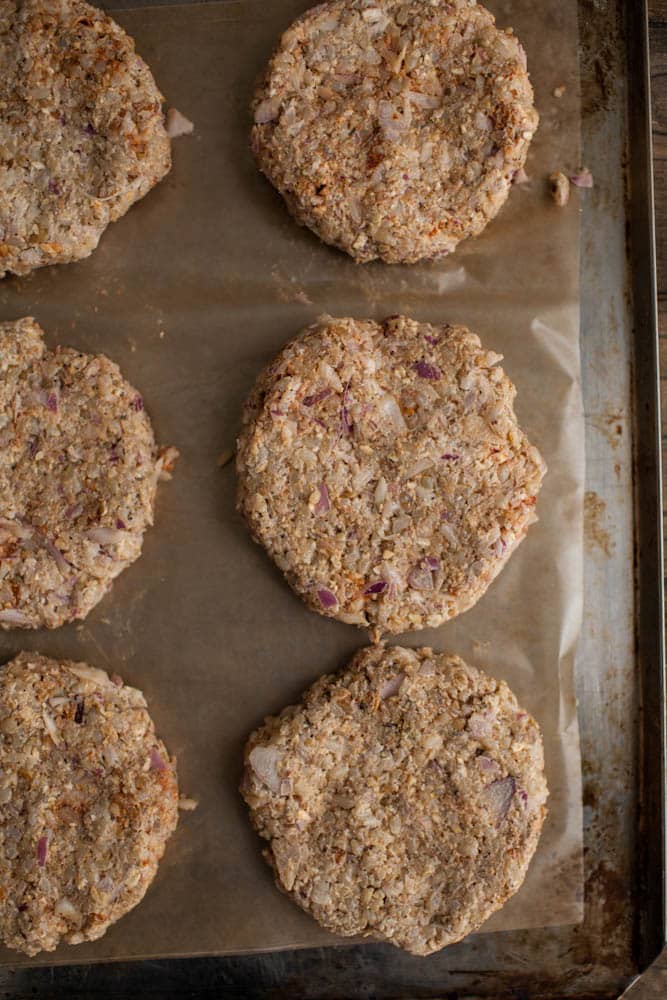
(78, 476)
(381, 466)
(88, 800)
(82, 135)
(394, 129)
(402, 798)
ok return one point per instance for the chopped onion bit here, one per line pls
(425, 370)
(327, 599)
(500, 794)
(584, 179)
(157, 763)
(42, 851)
(178, 124)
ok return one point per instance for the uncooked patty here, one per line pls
(402, 798)
(382, 468)
(82, 135)
(78, 475)
(394, 129)
(88, 800)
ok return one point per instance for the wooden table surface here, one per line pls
(658, 14)
(654, 985)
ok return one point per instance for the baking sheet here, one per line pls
(191, 293)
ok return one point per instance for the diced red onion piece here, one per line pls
(421, 466)
(327, 599)
(432, 562)
(317, 397)
(483, 122)
(392, 687)
(106, 536)
(16, 528)
(56, 555)
(393, 578)
(420, 578)
(178, 124)
(264, 760)
(391, 412)
(449, 533)
(499, 795)
(52, 402)
(428, 371)
(323, 504)
(480, 724)
(450, 456)
(376, 588)
(106, 885)
(393, 120)
(584, 179)
(267, 111)
(157, 763)
(42, 851)
(12, 616)
(421, 100)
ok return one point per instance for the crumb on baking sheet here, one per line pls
(559, 187)
(582, 179)
(187, 805)
(166, 461)
(178, 124)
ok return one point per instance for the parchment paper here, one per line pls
(191, 294)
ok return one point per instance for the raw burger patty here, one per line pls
(78, 475)
(394, 129)
(88, 800)
(82, 135)
(402, 798)
(382, 468)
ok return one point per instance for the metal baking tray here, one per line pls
(621, 664)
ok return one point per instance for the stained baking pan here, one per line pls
(621, 657)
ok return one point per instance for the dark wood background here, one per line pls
(654, 985)
(658, 15)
